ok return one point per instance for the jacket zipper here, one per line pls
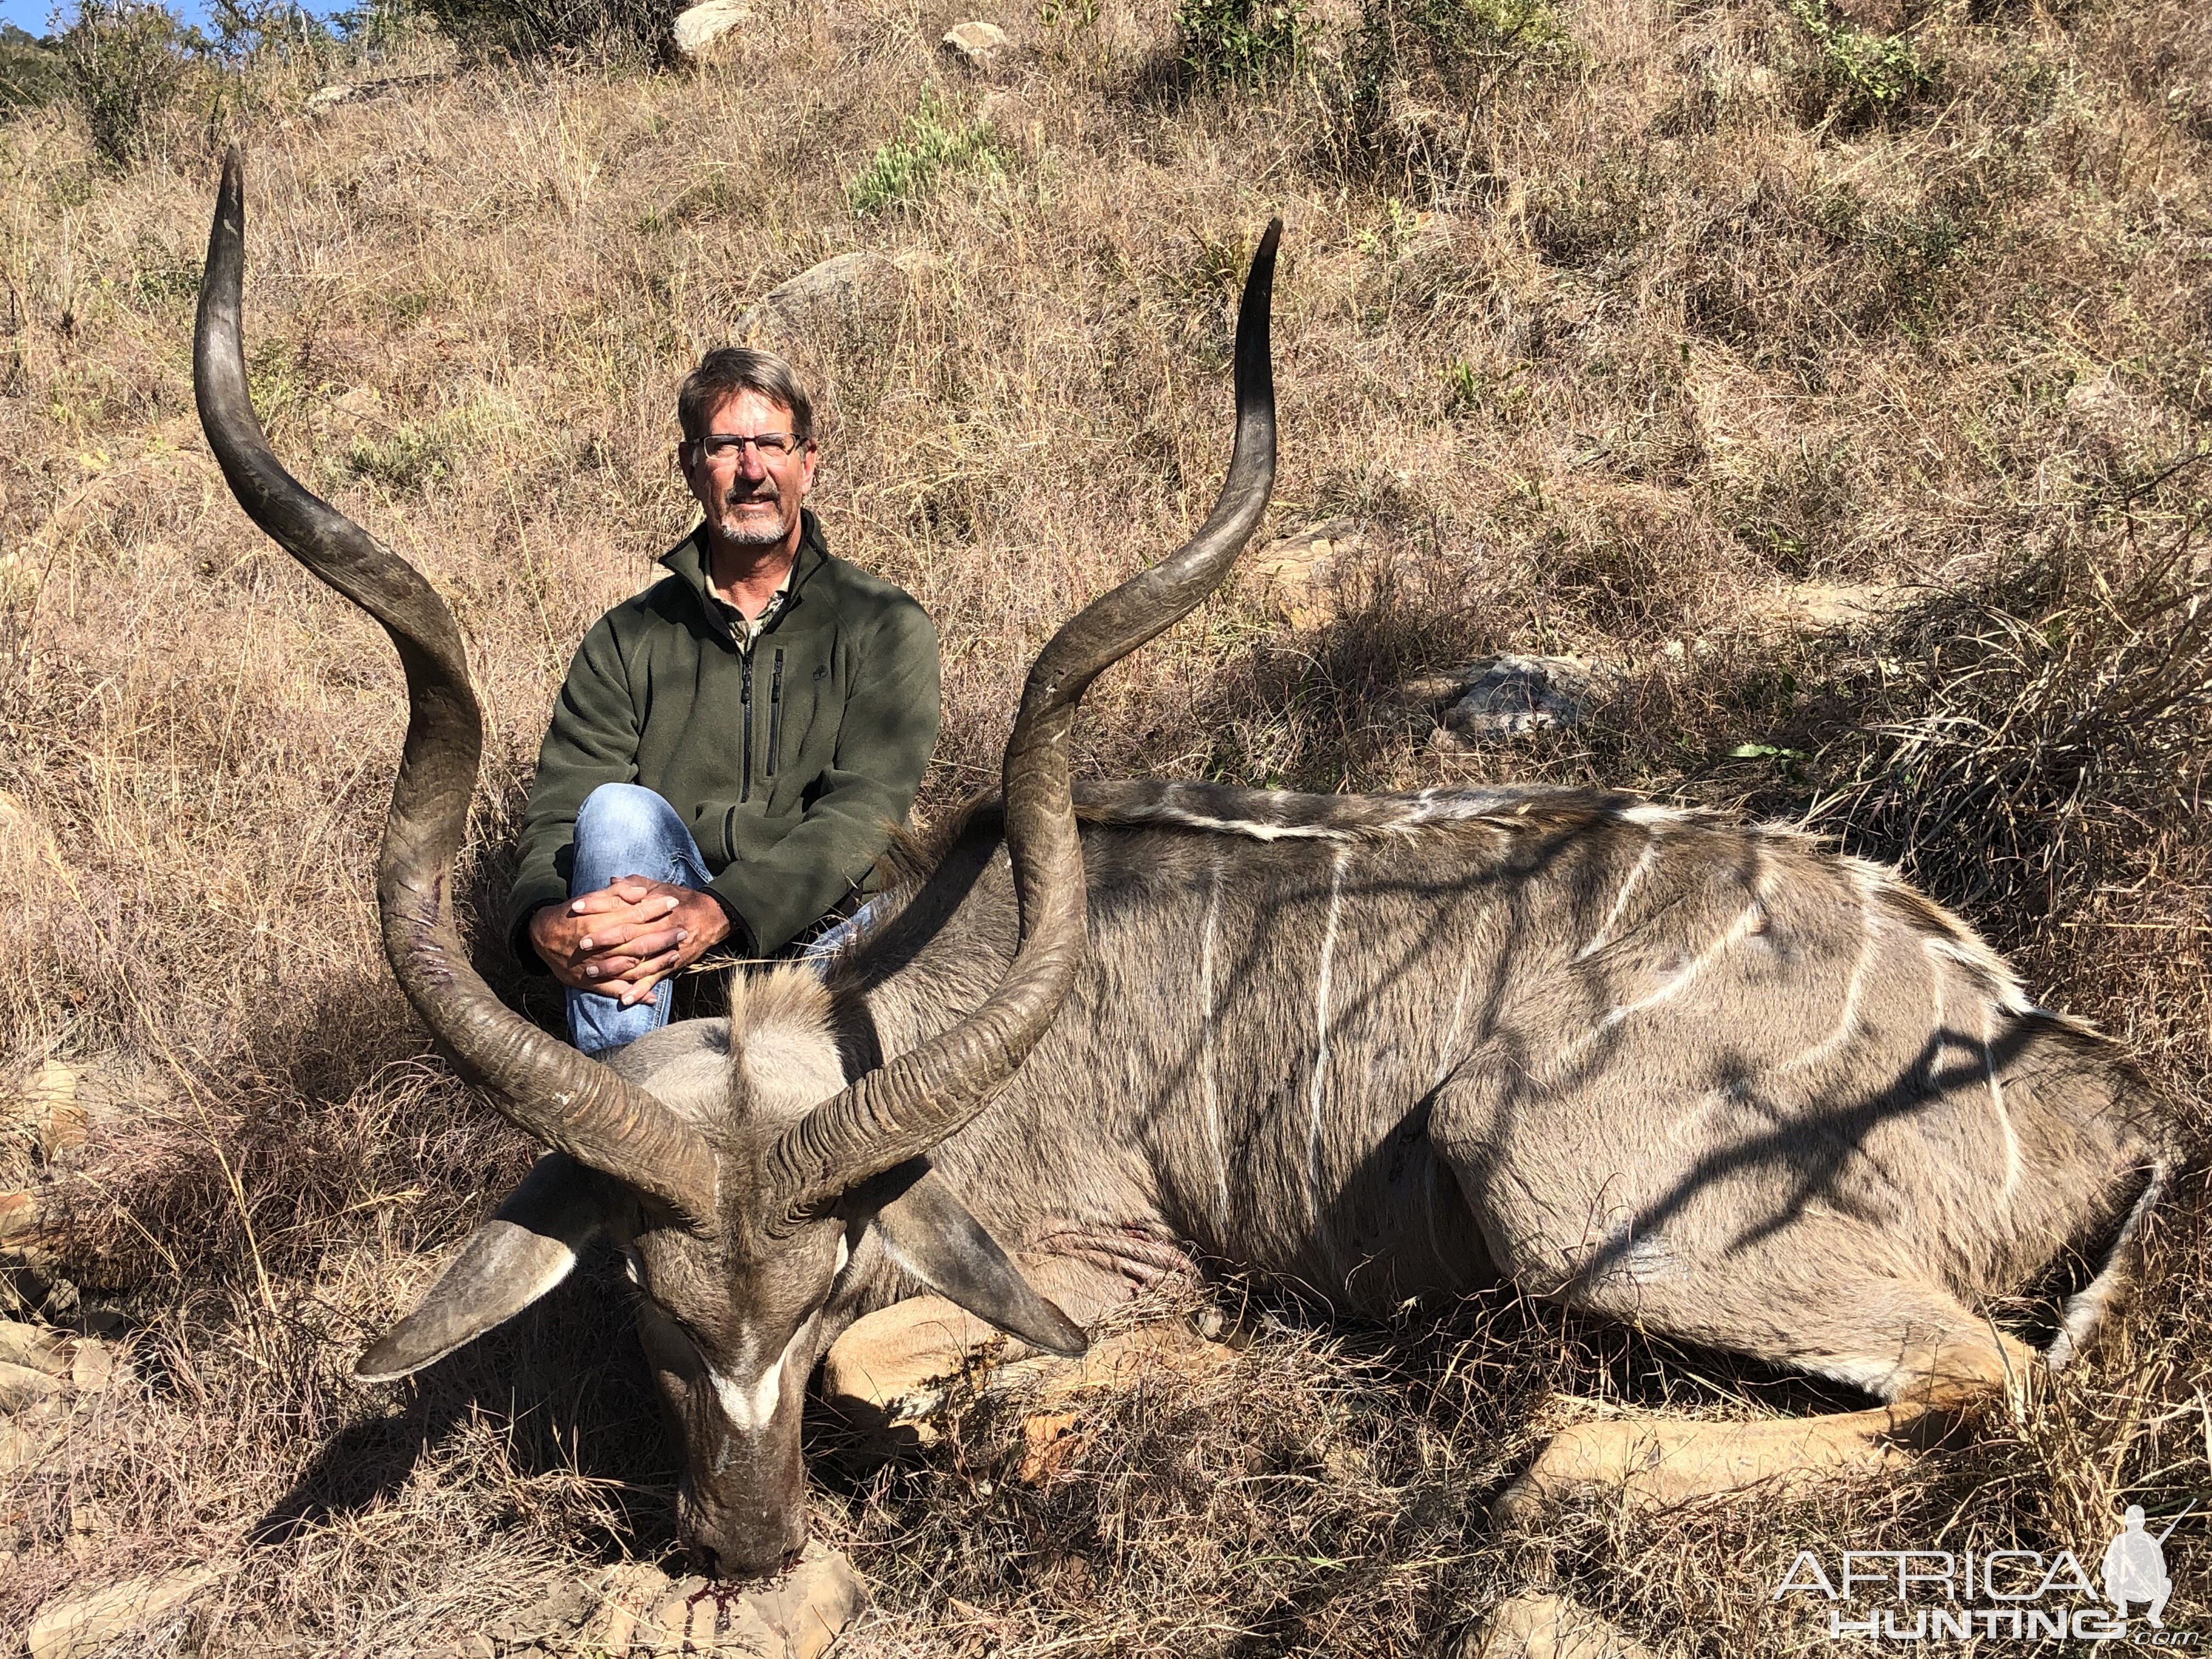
(774, 713)
(745, 708)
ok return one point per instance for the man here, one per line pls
(733, 746)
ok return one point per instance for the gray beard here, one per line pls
(751, 532)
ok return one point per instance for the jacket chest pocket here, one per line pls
(774, 712)
(803, 695)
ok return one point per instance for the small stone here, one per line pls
(977, 43)
(1543, 1626)
(1831, 607)
(1510, 694)
(21, 1387)
(699, 29)
(44, 1111)
(88, 1623)
(1303, 572)
(92, 1366)
(28, 1344)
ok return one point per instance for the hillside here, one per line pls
(1834, 381)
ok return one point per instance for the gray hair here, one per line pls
(727, 370)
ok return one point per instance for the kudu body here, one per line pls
(1654, 1064)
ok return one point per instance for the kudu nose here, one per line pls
(723, 1547)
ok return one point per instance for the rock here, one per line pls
(1124, 1359)
(622, 1593)
(361, 403)
(1510, 694)
(1830, 607)
(797, 1617)
(847, 291)
(86, 1623)
(42, 1112)
(548, 1619)
(977, 44)
(1302, 573)
(700, 29)
(17, 1444)
(1544, 1626)
(21, 1386)
(811, 1603)
(33, 1346)
(1049, 1440)
(351, 92)
(92, 1367)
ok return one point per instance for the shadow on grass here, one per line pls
(555, 1406)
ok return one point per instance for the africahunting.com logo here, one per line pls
(2025, 1595)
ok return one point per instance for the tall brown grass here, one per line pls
(1647, 319)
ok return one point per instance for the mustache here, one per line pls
(733, 496)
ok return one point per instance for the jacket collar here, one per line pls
(687, 560)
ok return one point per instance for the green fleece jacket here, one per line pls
(792, 761)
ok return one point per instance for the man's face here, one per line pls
(749, 495)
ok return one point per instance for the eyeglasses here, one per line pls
(773, 445)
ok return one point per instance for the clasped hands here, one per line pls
(625, 938)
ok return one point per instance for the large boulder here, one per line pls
(849, 293)
(705, 30)
(1510, 696)
(977, 44)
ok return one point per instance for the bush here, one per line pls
(30, 72)
(1418, 69)
(1242, 42)
(554, 28)
(907, 167)
(123, 63)
(1859, 76)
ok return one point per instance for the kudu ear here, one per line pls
(525, 1249)
(930, 1233)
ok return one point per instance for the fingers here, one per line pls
(624, 927)
(641, 985)
(664, 946)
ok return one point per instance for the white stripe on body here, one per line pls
(1212, 1015)
(1321, 1029)
(1599, 940)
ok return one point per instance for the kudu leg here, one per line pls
(1656, 1463)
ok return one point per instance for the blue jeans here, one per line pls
(625, 829)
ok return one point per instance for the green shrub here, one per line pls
(1417, 69)
(30, 70)
(123, 63)
(932, 145)
(534, 29)
(1241, 42)
(1857, 73)
(409, 457)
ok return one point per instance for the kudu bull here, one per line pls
(1658, 1067)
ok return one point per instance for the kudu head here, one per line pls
(742, 1182)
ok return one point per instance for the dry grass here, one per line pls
(1659, 321)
